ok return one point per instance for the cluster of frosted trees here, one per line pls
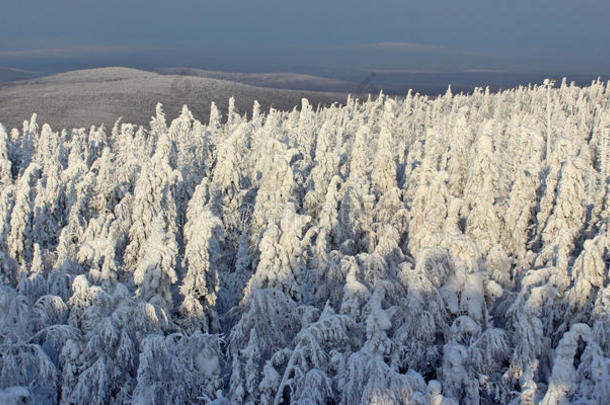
(388, 251)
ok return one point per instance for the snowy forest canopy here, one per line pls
(389, 251)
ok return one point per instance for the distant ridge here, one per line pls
(8, 74)
(278, 80)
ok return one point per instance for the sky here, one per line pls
(309, 36)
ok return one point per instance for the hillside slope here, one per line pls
(95, 96)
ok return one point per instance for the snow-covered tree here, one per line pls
(156, 271)
(421, 250)
(203, 236)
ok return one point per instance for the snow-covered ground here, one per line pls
(389, 251)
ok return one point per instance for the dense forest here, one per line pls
(408, 250)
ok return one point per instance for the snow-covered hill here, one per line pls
(392, 251)
(276, 80)
(95, 96)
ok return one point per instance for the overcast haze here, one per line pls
(564, 36)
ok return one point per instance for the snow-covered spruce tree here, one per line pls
(130, 151)
(228, 177)
(379, 312)
(8, 266)
(481, 192)
(519, 217)
(471, 358)
(50, 147)
(23, 361)
(177, 369)
(530, 317)
(281, 264)
(97, 250)
(591, 374)
(367, 379)
(359, 163)
(76, 166)
(233, 117)
(158, 125)
(6, 175)
(273, 317)
(330, 232)
(202, 260)
(548, 190)
(355, 292)
(49, 207)
(156, 270)
(23, 145)
(103, 368)
(153, 196)
(483, 173)
(20, 238)
(588, 277)
(107, 190)
(326, 164)
(71, 234)
(305, 138)
(391, 224)
(354, 225)
(459, 153)
(429, 210)
(25, 364)
(483, 225)
(307, 376)
(226, 172)
(356, 191)
(276, 187)
(422, 315)
(568, 214)
(324, 272)
(214, 132)
(562, 232)
(383, 175)
(562, 382)
(191, 144)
